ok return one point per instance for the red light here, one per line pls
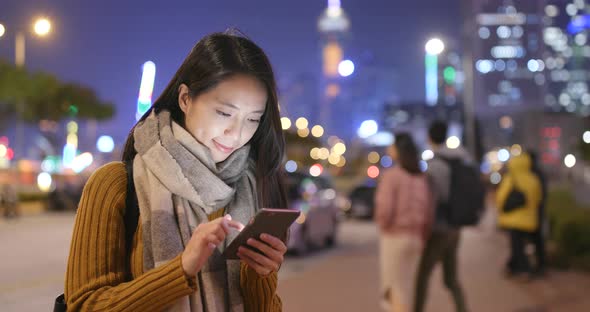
(316, 170)
(9, 154)
(556, 132)
(4, 140)
(373, 172)
(547, 132)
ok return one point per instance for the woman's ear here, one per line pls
(183, 98)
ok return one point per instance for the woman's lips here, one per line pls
(222, 147)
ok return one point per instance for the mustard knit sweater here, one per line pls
(97, 268)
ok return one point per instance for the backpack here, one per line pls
(131, 217)
(465, 204)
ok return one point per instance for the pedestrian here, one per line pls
(517, 199)
(205, 157)
(538, 236)
(9, 195)
(443, 243)
(403, 212)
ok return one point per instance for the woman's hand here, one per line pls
(274, 251)
(206, 237)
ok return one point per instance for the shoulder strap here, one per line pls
(131, 217)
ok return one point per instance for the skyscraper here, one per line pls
(568, 54)
(508, 53)
(507, 71)
(333, 26)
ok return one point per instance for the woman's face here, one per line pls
(226, 117)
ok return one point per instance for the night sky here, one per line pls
(103, 44)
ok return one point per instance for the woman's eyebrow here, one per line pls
(224, 103)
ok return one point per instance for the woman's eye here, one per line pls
(254, 120)
(220, 113)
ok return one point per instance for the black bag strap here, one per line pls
(130, 218)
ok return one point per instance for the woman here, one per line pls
(403, 211)
(205, 158)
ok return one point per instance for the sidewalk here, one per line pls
(349, 282)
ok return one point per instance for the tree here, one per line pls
(41, 96)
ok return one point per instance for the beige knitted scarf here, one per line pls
(178, 185)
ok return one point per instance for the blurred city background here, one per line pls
(508, 77)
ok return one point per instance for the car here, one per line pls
(362, 200)
(321, 211)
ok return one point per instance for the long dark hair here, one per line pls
(217, 57)
(407, 153)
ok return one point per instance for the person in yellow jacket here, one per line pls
(522, 219)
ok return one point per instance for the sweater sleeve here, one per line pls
(259, 292)
(97, 270)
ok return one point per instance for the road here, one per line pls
(344, 278)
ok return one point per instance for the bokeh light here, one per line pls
(285, 123)
(374, 157)
(434, 46)
(316, 170)
(373, 172)
(301, 123)
(304, 133)
(317, 131)
(339, 148)
(516, 150)
(453, 142)
(42, 27)
(569, 160)
(44, 181)
(427, 155)
(334, 159)
(291, 166)
(495, 178)
(346, 68)
(386, 161)
(503, 155)
(105, 144)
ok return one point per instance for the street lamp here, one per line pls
(433, 48)
(41, 28)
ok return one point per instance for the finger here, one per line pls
(227, 224)
(235, 224)
(275, 242)
(260, 269)
(213, 239)
(259, 258)
(269, 251)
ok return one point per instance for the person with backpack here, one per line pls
(518, 199)
(204, 159)
(458, 196)
(403, 213)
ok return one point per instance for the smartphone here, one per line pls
(275, 222)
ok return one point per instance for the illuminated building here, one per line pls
(567, 58)
(333, 26)
(507, 53)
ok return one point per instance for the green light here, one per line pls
(73, 110)
(449, 74)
